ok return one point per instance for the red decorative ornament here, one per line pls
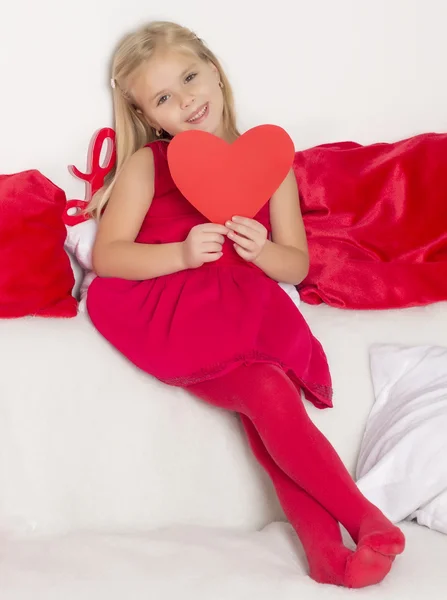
(95, 177)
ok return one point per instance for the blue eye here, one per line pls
(190, 77)
(162, 100)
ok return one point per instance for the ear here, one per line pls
(141, 114)
(138, 111)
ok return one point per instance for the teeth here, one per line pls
(200, 114)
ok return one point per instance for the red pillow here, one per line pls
(376, 220)
(35, 272)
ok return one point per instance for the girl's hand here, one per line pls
(203, 245)
(249, 237)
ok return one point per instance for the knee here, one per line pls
(271, 389)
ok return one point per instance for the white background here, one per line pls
(325, 70)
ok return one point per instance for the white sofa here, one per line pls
(113, 485)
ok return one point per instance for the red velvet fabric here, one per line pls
(376, 219)
(35, 273)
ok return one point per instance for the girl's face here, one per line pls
(177, 92)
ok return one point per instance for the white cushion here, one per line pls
(193, 563)
(80, 240)
(402, 465)
(79, 245)
(89, 442)
(434, 513)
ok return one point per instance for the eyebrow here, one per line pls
(183, 74)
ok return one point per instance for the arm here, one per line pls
(285, 258)
(116, 254)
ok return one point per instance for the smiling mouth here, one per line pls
(199, 115)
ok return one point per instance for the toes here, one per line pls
(387, 543)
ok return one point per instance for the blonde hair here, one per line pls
(131, 129)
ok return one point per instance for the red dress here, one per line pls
(201, 323)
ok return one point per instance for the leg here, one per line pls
(269, 399)
(329, 560)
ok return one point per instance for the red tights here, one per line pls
(314, 488)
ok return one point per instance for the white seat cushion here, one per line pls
(89, 442)
(191, 563)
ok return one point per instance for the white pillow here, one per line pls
(79, 242)
(402, 466)
(433, 514)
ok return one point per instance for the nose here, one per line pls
(186, 100)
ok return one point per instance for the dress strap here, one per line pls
(161, 167)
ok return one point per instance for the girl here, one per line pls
(198, 305)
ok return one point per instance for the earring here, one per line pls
(158, 132)
(221, 84)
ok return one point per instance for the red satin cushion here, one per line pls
(376, 220)
(35, 273)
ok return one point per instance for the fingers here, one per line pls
(215, 237)
(248, 232)
(241, 241)
(248, 237)
(211, 256)
(212, 247)
(245, 254)
(242, 224)
(214, 228)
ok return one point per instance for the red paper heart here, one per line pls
(222, 180)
